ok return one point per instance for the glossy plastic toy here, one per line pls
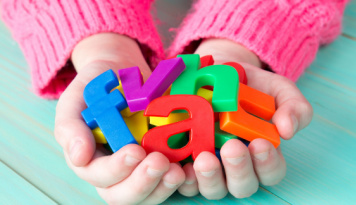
(240, 70)
(206, 61)
(244, 124)
(172, 118)
(224, 79)
(104, 110)
(209, 60)
(139, 95)
(125, 112)
(200, 125)
(137, 124)
(221, 137)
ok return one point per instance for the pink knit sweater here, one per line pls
(285, 34)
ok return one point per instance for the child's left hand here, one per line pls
(245, 167)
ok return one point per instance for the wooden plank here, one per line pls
(32, 152)
(349, 21)
(16, 190)
(335, 62)
(26, 129)
(321, 166)
(321, 159)
(261, 197)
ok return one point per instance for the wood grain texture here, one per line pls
(349, 21)
(321, 158)
(27, 145)
(18, 190)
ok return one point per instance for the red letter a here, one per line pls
(200, 124)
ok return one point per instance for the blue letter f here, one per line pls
(104, 110)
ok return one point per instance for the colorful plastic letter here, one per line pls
(217, 153)
(247, 126)
(216, 116)
(99, 136)
(200, 124)
(104, 110)
(138, 125)
(139, 95)
(240, 70)
(176, 141)
(172, 118)
(125, 112)
(224, 78)
(206, 61)
(179, 116)
(206, 94)
(221, 137)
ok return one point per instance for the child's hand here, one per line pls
(260, 162)
(128, 176)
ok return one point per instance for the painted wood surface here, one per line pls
(321, 159)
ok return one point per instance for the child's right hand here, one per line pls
(128, 176)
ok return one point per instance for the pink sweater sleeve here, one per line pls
(48, 30)
(284, 34)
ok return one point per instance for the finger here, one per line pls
(190, 186)
(71, 131)
(210, 176)
(293, 111)
(140, 184)
(168, 185)
(104, 171)
(268, 162)
(241, 179)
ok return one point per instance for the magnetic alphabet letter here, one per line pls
(200, 124)
(224, 78)
(139, 95)
(240, 70)
(104, 110)
(247, 126)
(221, 137)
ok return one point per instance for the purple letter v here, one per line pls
(139, 95)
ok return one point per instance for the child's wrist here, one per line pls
(228, 50)
(111, 48)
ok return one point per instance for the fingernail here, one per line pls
(130, 161)
(236, 160)
(169, 185)
(189, 181)
(208, 174)
(75, 149)
(261, 156)
(295, 123)
(154, 173)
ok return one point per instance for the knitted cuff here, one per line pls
(284, 34)
(47, 32)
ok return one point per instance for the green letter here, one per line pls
(224, 78)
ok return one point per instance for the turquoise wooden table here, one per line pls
(321, 159)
